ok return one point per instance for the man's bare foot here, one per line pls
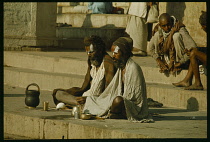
(194, 87)
(181, 84)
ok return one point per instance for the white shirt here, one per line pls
(138, 9)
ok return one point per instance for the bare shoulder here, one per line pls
(109, 63)
(108, 59)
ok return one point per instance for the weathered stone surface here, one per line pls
(166, 94)
(33, 25)
(75, 63)
(55, 129)
(93, 20)
(22, 125)
(67, 3)
(52, 64)
(53, 124)
(177, 97)
(49, 81)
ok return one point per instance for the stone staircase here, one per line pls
(81, 24)
(57, 69)
(67, 69)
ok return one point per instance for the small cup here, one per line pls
(45, 106)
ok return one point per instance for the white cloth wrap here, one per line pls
(135, 97)
(97, 81)
(138, 9)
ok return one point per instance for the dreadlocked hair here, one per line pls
(96, 41)
(202, 19)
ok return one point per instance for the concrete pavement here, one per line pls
(38, 124)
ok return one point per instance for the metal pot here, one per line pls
(32, 96)
(85, 116)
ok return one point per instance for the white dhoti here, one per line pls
(137, 29)
(97, 83)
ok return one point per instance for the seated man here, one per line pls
(125, 97)
(99, 74)
(197, 55)
(100, 7)
(168, 44)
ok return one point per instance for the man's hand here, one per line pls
(149, 4)
(171, 65)
(187, 51)
(162, 65)
(177, 65)
(175, 28)
(81, 100)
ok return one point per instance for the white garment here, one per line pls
(181, 39)
(137, 29)
(97, 81)
(138, 9)
(135, 97)
(136, 26)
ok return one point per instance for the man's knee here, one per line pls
(177, 37)
(193, 53)
(59, 94)
(118, 100)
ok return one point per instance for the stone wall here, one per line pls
(29, 24)
(34, 24)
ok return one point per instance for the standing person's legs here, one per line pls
(149, 27)
(138, 31)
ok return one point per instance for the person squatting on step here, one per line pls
(99, 74)
(197, 56)
(125, 97)
(170, 39)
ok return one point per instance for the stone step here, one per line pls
(14, 137)
(54, 62)
(67, 3)
(72, 9)
(93, 20)
(177, 97)
(166, 94)
(53, 124)
(81, 7)
(74, 43)
(76, 32)
(70, 62)
(72, 37)
(48, 81)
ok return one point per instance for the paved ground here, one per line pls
(169, 122)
